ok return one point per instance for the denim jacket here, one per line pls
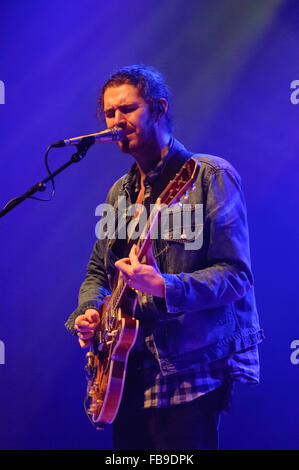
(209, 310)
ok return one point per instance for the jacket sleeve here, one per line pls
(94, 287)
(227, 276)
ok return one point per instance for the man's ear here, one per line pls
(161, 108)
(163, 105)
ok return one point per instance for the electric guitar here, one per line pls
(117, 330)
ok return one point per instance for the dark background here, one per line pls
(229, 64)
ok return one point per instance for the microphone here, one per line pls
(112, 134)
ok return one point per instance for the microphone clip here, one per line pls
(82, 148)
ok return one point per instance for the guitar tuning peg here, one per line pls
(186, 196)
(180, 204)
(193, 188)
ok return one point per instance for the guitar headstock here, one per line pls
(172, 194)
(179, 186)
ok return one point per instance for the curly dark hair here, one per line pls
(148, 81)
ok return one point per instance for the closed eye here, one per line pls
(125, 109)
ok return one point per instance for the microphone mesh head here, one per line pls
(118, 133)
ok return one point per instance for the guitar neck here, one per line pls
(143, 244)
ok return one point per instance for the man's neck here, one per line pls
(149, 160)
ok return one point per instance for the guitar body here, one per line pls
(106, 368)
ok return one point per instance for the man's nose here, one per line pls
(119, 119)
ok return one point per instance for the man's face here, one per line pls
(125, 108)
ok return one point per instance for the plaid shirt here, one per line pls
(175, 389)
(180, 388)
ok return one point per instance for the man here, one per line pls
(199, 327)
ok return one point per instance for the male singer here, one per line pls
(199, 326)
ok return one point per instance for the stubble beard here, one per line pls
(147, 142)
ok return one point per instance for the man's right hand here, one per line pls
(85, 326)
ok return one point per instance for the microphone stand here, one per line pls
(82, 148)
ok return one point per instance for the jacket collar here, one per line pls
(132, 178)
